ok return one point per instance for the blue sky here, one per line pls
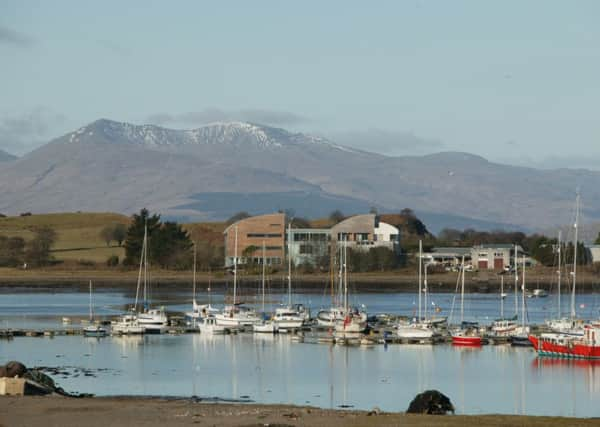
(514, 81)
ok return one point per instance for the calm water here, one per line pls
(273, 369)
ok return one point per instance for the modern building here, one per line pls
(308, 245)
(494, 256)
(365, 232)
(252, 234)
(594, 251)
(448, 256)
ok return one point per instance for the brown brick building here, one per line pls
(251, 234)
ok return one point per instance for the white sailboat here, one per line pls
(152, 320)
(267, 326)
(93, 330)
(568, 325)
(503, 327)
(199, 310)
(417, 329)
(236, 315)
(354, 320)
(289, 317)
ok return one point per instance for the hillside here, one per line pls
(210, 173)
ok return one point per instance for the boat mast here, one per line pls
(425, 290)
(91, 314)
(346, 275)
(145, 256)
(576, 227)
(340, 276)
(235, 266)
(194, 280)
(462, 291)
(523, 295)
(516, 263)
(420, 268)
(139, 280)
(502, 297)
(289, 264)
(559, 269)
(263, 277)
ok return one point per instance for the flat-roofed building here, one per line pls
(448, 256)
(308, 245)
(252, 233)
(494, 256)
(594, 251)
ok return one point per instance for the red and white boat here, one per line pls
(569, 346)
(469, 337)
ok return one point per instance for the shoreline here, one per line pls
(399, 281)
(159, 412)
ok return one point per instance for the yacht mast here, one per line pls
(346, 276)
(289, 264)
(91, 314)
(420, 268)
(559, 269)
(194, 280)
(462, 292)
(263, 276)
(516, 263)
(523, 295)
(235, 267)
(502, 297)
(576, 227)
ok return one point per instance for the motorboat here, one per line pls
(208, 325)
(154, 321)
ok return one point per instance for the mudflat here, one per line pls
(134, 411)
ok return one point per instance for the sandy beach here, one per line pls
(129, 411)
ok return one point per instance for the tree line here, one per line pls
(17, 252)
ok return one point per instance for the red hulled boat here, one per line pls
(466, 338)
(569, 346)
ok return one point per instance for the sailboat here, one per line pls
(267, 326)
(569, 325)
(199, 310)
(152, 320)
(93, 330)
(236, 315)
(417, 329)
(289, 317)
(520, 336)
(503, 327)
(466, 335)
(354, 320)
(328, 317)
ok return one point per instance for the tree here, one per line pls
(135, 235)
(597, 242)
(37, 252)
(12, 251)
(237, 217)
(249, 251)
(336, 216)
(119, 233)
(169, 246)
(107, 234)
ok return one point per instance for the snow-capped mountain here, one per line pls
(218, 169)
(235, 134)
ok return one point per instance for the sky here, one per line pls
(513, 81)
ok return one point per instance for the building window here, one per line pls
(250, 235)
(306, 249)
(273, 248)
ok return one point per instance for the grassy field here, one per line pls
(78, 234)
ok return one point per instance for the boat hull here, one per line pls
(571, 348)
(466, 341)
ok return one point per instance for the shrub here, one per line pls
(112, 261)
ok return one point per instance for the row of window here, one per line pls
(269, 235)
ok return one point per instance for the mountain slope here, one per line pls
(6, 157)
(121, 167)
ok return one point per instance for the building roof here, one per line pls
(452, 250)
(498, 246)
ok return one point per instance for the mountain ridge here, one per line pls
(122, 167)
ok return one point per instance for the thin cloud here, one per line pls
(21, 133)
(15, 38)
(210, 115)
(391, 143)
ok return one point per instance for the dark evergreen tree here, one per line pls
(135, 235)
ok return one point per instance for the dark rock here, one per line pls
(40, 378)
(3, 372)
(15, 369)
(430, 402)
